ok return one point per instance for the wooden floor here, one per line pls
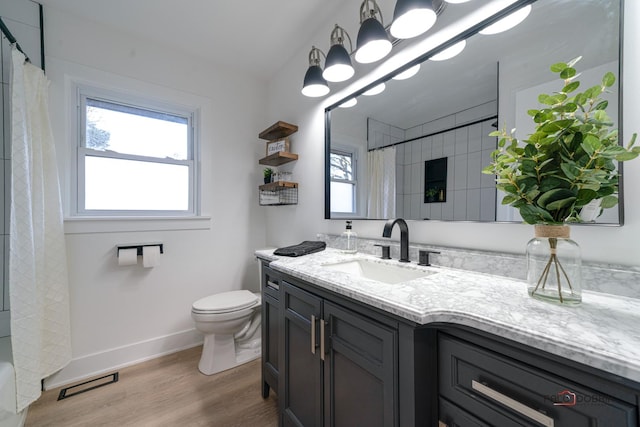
(168, 391)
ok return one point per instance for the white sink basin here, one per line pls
(378, 271)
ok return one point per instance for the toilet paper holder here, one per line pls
(138, 247)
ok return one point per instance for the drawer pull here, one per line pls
(322, 322)
(273, 285)
(313, 334)
(513, 404)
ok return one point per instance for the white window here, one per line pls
(134, 158)
(343, 181)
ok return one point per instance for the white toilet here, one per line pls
(230, 322)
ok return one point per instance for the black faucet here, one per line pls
(404, 236)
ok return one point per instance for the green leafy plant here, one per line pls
(267, 172)
(568, 161)
(432, 192)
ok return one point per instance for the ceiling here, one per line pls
(256, 37)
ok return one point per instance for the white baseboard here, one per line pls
(120, 357)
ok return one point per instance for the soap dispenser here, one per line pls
(349, 240)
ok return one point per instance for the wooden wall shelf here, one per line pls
(278, 130)
(280, 192)
(275, 186)
(279, 158)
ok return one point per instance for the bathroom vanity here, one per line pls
(446, 348)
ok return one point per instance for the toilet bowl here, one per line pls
(230, 322)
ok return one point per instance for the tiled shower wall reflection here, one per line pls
(471, 196)
(22, 17)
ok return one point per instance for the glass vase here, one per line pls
(554, 266)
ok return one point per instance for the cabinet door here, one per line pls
(270, 344)
(301, 379)
(270, 330)
(453, 416)
(359, 370)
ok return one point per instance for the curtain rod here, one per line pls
(426, 135)
(10, 37)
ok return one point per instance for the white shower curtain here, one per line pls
(382, 183)
(38, 280)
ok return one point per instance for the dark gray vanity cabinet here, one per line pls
(339, 362)
(338, 367)
(270, 329)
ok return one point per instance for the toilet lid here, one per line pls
(225, 302)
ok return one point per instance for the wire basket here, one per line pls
(280, 196)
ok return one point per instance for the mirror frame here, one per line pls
(443, 46)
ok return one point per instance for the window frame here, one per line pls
(351, 152)
(142, 103)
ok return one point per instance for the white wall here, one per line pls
(286, 226)
(123, 314)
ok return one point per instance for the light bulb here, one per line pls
(406, 74)
(375, 90)
(450, 52)
(338, 73)
(373, 51)
(412, 23)
(507, 22)
(315, 90)
(348, 104)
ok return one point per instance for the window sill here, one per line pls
(89, 225)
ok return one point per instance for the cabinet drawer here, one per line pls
(501, 391)
(271, 282)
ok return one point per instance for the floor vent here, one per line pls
(88, 385)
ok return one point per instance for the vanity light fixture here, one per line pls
(337, 66)
(375, 90)
(412, 18)
(450, 52)
(373, 42)
(314, 84)
(508, 21)
(408, 73)
(348, 104)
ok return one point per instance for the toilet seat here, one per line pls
(225, 302)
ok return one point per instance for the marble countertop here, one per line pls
(602, 332)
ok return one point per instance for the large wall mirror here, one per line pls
(387, 153)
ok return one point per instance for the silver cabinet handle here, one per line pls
(513, 404)
(273, 285)
(322, 322)
(313, 334)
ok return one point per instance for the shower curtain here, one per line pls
(382, 183)
(38, 280)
